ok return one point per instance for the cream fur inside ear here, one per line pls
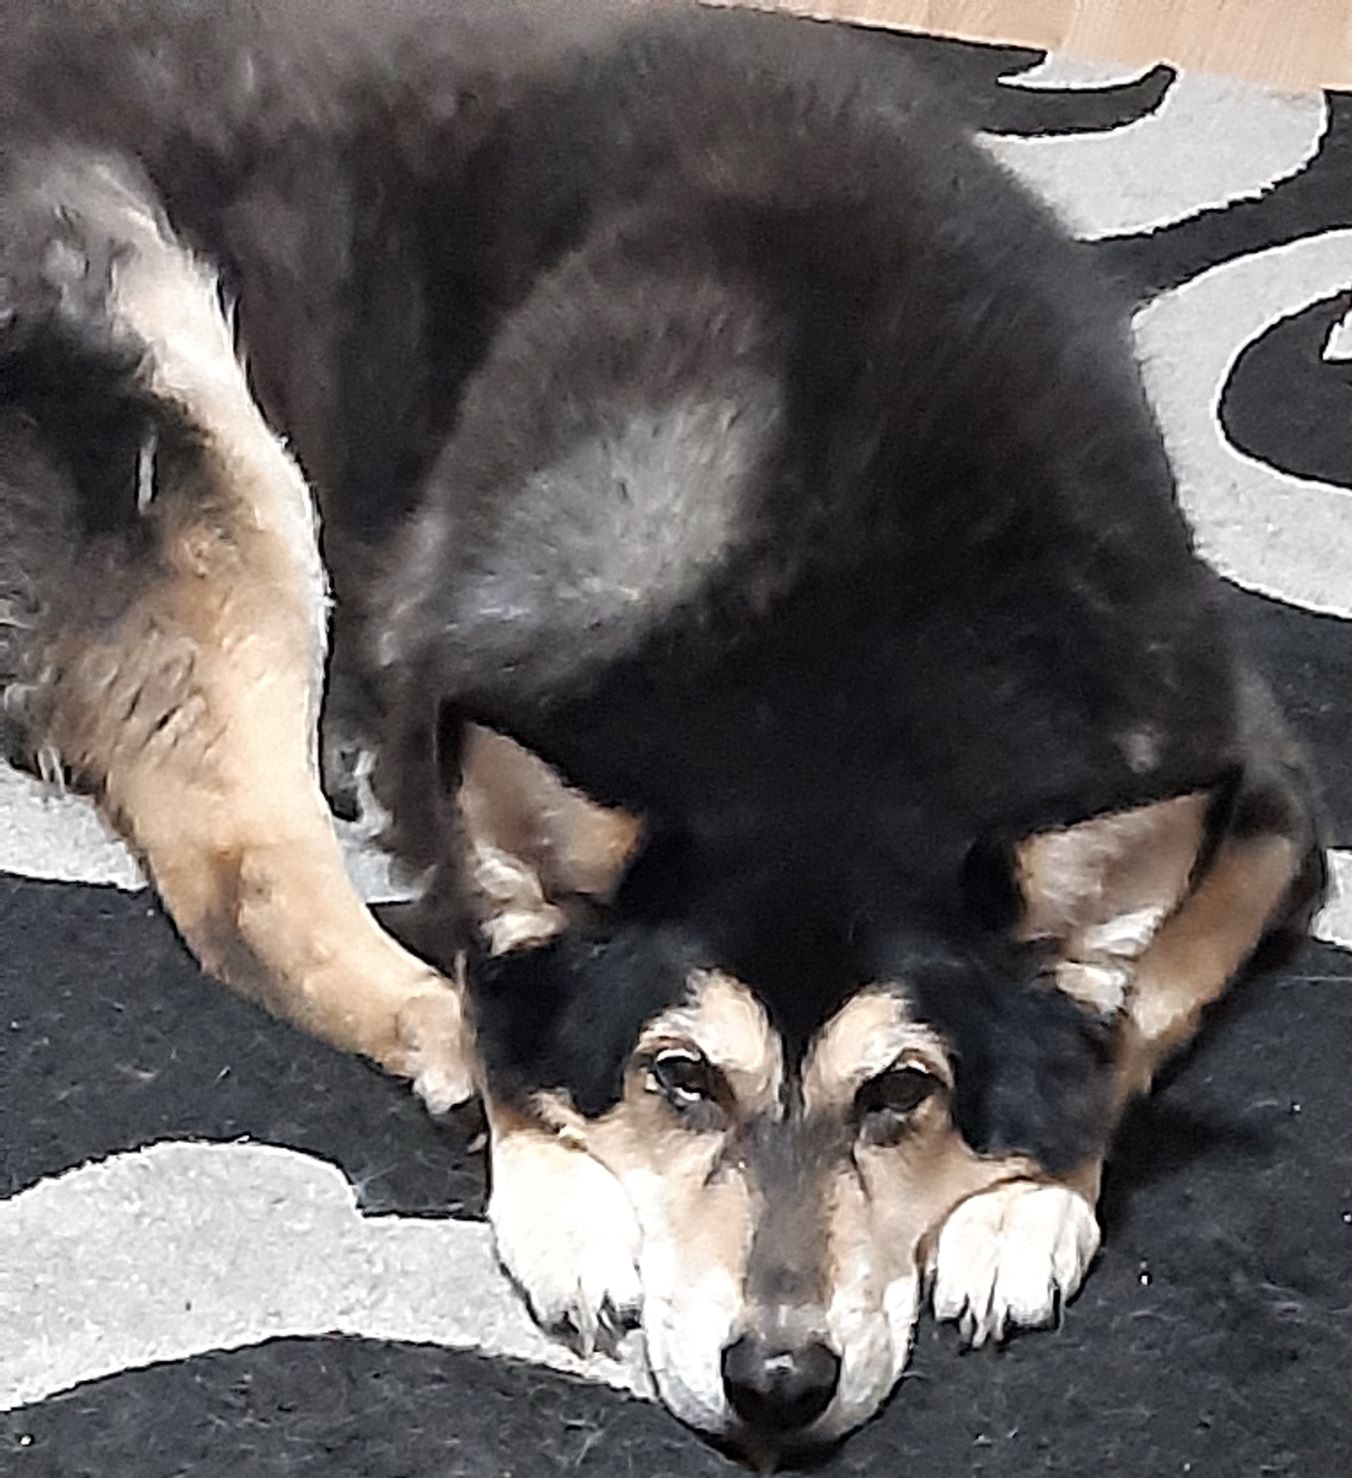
(1101, 889)
(534, 840)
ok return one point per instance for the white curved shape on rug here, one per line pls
(1224, 143)
(1338, 345)
(1334, 923)
(1057, 73)
(61, 838)
(1289, 537)
(181, 1248)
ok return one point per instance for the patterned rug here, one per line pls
(226, 1250)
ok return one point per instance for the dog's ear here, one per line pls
(536, 845)
(1101, 872)
(1031, 1068)
(1095, 894)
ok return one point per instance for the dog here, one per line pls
(758, 576)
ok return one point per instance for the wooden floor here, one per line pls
(1293, 43)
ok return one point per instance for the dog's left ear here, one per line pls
(1096, 893)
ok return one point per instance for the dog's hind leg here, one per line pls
(192, 715)
(1266, 879)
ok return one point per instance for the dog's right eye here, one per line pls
(683, 1078)
(884, 1105)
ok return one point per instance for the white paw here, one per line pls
(435, 1051)
(567, 1235)
(1010, 1257)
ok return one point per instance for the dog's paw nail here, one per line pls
(586, 1327)
(576, 1329)
(612, 1324)
(975, 1329)
(1058, 1308)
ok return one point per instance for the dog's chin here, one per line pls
(800, 1451)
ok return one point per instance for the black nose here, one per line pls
(779, 1390)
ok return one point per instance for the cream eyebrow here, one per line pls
(868, 1035)
(724, 1021)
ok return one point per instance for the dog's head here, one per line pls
(795, 1093)
(783, 1195)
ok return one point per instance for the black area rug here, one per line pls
(1215, 1335)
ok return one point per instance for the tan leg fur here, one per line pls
(193, 718)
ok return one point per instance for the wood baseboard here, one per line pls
(1294, 43)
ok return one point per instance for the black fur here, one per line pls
(73, 553)
(1031, 1067)
(568, 1014)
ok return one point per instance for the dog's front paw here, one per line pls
(434, 1048)
(568, 1237)
(1010, 1257)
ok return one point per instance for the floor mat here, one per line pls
(227, 1250)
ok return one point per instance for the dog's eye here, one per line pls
(883, 1106)
(683, 1078)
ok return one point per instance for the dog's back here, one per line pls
(752, 275)
(807, 475)
(802, 469)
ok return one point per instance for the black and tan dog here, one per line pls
(697, 415)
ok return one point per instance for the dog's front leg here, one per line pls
(1011, 1256)
(565, 1231)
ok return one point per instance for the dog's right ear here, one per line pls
(536, 845)
(1095, 876)
(1095, 893)
(1033, 1057)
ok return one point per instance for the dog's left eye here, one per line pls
(683, 1078)
(884, 1105)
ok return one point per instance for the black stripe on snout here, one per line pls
(788, 1162)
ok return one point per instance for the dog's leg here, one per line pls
(1011, 1255)
(1262, 886)
(565, 1231)
(193, 716)
(1204, 946)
